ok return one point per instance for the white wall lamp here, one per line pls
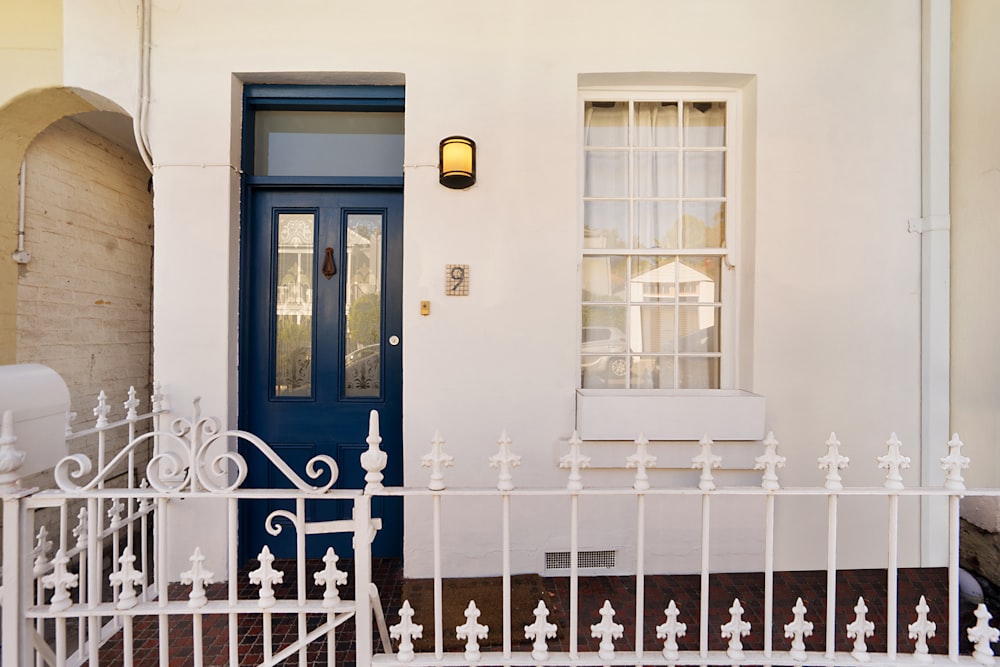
(457, 162)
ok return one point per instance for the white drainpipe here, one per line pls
(934, 226)
(21, 256)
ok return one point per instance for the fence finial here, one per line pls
(406, 631)
(130, 406)
(61, 580)
(102, 410)
(706, 460)
(156, 400)
(953, 465)
(797, 630)
(266, 576)
(197, 577)
(922, 630)
(607, 631)
(80, 532)
(374, 459)
(982, 635)
(670, 631)
(472, 632)
(11, 459)
(538, 631)
(769, 462)
(833, 463)
(437, 461)
(860, 628)
(128, 578)
(641, 460)
(41, 551)
(505, 461)
(574, 461)
(734, 630)
(70, 416)
(330, 577)
(893, 462)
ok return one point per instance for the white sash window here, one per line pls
(659, 225)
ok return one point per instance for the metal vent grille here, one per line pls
(559, 560)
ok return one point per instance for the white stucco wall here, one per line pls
(975, 195)
(835, 322)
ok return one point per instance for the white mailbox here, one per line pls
(39, 400)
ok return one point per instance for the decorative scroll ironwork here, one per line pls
(185, 462)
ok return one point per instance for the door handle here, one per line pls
(393, 340)
(329, 268)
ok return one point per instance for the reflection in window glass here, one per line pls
(363, 303)
(602, 347)
(704, 224)
(294, 305)
(656, 224)
(654, 241)
(605, 224)
(604, 278)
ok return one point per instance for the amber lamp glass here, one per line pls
(457, 162)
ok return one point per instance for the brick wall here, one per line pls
(83, 302)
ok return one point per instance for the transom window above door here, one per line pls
(328, 143)
(657, 205)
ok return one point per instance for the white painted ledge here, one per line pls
(722, 414)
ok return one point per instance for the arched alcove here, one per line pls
(78, 298)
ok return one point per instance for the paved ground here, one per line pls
(684, 590)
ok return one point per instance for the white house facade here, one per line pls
(688, 219)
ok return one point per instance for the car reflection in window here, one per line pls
(603, 362)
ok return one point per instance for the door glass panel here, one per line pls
(363, 305)
(294, 305)
(328, 143)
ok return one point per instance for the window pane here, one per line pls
(604, 323)
(652, 329)
(604, 278)
(656, 174)
(704, 123)
(652, 372)
(328, 143)
(698, 372)
(704, 174)
(605, 224)
(294, 305)
(605, 124)
(602, 361)
(656, 124)
(653, 279)
(704, 224)
(606, 174)
(698, 329)
(656, 224)
(362, 341)
(700, 279)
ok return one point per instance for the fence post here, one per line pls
(16, 651)
(363, 534)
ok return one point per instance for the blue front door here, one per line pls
(321, 348)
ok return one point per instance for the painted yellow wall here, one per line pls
(30, 45)
(30, 59)
(975, 218)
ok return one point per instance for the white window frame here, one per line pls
(729, 412)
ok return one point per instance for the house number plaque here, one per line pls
(456, 279)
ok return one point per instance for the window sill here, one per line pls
(722, 414)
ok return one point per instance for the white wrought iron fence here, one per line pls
(67, 607)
